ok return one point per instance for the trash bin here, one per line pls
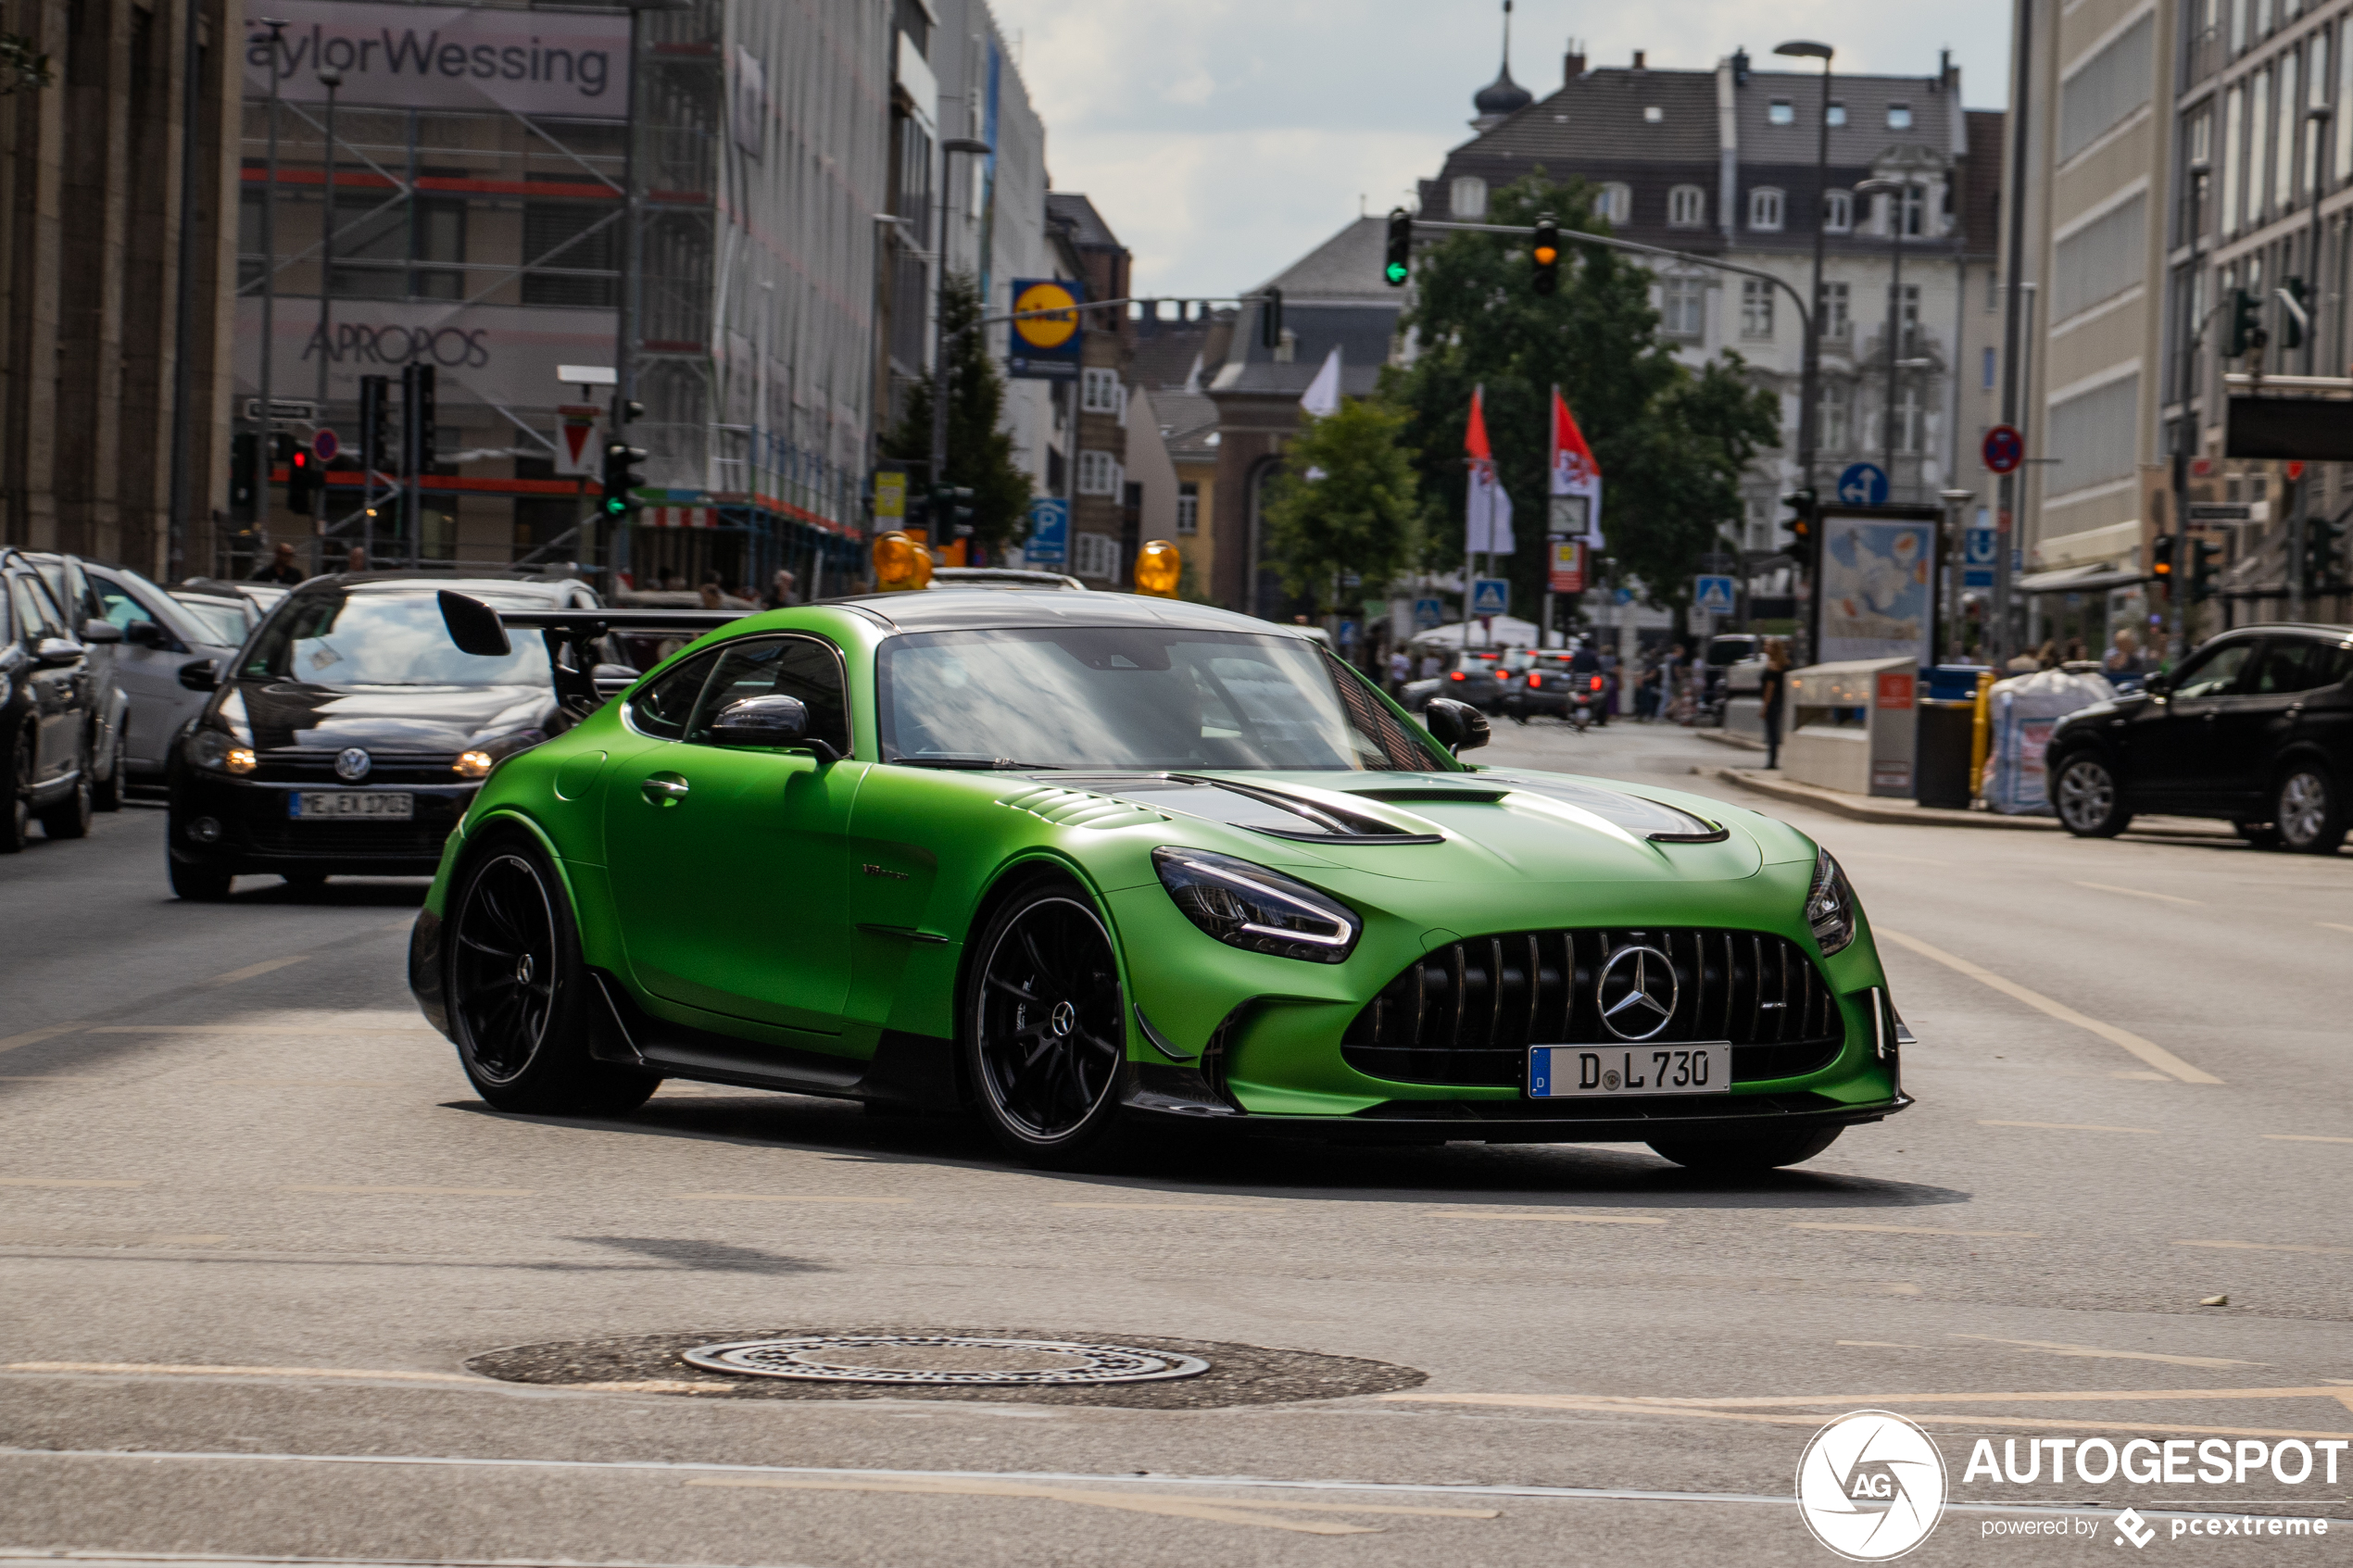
(1946, 738)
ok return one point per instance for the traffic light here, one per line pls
(2321, 539)
(1800, 504)
(2295, 311)
(951, 512)
(304, 480)
(244, 473)
(2203, 553)
(1547, 254)
(2246, 324)
(2162, 560)
(1270, 318)
(621, 478)
(375, 424)
(1401, 248)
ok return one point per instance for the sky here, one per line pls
(1223, 139)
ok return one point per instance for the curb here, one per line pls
(1862, 810)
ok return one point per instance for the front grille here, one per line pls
(1467, 1012)
(273, 832)
(291, 765)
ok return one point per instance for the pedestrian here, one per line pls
(2124, 658)
(282, 568)
(356, 558)
(1401, 670)
(780, 590)
(1772, 689)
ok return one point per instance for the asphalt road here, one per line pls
(254, 1227)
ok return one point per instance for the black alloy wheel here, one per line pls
(16, 831)
(69, 818)
(1046, 1027)
(2089, 802)
(196, 882)
(2308, 813)
(520, 1001)
(1754, 1152)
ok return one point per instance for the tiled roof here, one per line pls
(1086, 226)
(1865, 133)
(1187, 421)
(1347, 266)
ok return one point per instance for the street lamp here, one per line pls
(948, 149)
(331, 80)
(1809, 376)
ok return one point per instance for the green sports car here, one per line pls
(1075, 861)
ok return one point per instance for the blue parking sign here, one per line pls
(1049, 532)
(1980, 550)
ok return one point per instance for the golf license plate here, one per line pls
(1599, 1071)
(377, 806)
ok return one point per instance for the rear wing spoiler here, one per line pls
(571, 635)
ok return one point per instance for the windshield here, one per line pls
(222, 623)
(328, 639)
(1133, 698)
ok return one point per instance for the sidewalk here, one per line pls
(1872, 808)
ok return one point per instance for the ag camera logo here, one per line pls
(1870, 1486)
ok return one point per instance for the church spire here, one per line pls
(1501, 97)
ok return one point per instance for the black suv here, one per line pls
(2255, 727)
(350, 734)
(50, 704)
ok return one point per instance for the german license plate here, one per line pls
(316, 804)
(1599, 1071)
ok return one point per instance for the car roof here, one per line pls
(1002, 577)
(956, 610)
(557, 590)
(2319, 630)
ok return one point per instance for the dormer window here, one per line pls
(1837, 113)
(1765, 206)
(1653, 115)
(1615, 203)
(1781, 111)
(1837, 211)
(1686, 207)
(1468, 196)
(1899, 117)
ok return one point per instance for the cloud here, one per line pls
(1222, 138)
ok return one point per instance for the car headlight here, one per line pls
(221, 753)
(1830, 905)
(1248, 907)
(476, 761)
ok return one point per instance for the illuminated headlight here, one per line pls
(1248, 907)
(210, 748)
(475, 763)
(472, 764)
(1830, 905)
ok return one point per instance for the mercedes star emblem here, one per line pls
(1636, 993)
(352, 764)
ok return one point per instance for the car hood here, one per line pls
(275, 714)
(1497, 823)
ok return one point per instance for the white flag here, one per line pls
(1489, 514)
(1322, 398)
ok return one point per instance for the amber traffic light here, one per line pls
(1547, 254)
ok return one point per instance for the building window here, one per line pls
(1992, 290)
(1653, 115)
(573, 239)
(1757, 308)
(2258, 143)
(2233, 139)
(1616, 203)
(1189, 505)
(1683, 307)
(2283, 147)
(1099, 391)
(1098, 474)
(1911, 422)
(2343, 119)
(1686, 207)
(1832, 313)
(1781, 111)
(1837, 211)
(1765, 210)
(1095, 555)
(1837, 112)
(1909, 344)
(1468, 196)
(1837, 415)
(1989, 371)
(1899, 117)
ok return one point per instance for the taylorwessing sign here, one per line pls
(448, 58)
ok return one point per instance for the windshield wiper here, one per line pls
(999, 764)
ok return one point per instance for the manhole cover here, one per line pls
(990, 1362)
(943, 1359)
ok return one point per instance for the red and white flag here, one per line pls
(1488, 515)
(1577, 480)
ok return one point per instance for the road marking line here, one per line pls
(1556, 1218)
(2303, 1137)
(324, 1027)
(1186, 1208)
(2268, 1247)
(2157, 1056)
(34, 1037)
(777, 1197)
(2068, 1126)
(252, 970)
(1901, 1230)
(2137, 893)
(2094, 1352)
(170, 1370)
(61, 1182)
(1221, 1510)
(1573, 1402)
(419, 1192)
(2039, 1397)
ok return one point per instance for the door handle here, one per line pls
(663, 789)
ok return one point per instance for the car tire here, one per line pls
(16, 831)
(2088, 797)
(2308, 812)
(69, 818)
(521, 1003)
(1043, 1032)
(1757, 1151)
(199, 883)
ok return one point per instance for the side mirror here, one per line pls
(2157, 682)
(1457, 726)
(611, 680)
(53, 653)
(199, 675)
(768, 721)
(144, 634)
(473, 626)
(101, 632)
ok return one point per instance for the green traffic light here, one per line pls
(1396, 272)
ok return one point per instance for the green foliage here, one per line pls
(19, 65)
(980, 453)
(1671, 442)
(1361, 516)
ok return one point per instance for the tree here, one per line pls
(1672, 442)
(980, 452)
(1359, 514)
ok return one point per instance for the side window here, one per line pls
(2290, 666)
(2216, 675)
(38, 616)
(800, 667)
(116, 604)
(662, 709)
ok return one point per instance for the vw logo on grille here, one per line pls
(1636, 993)
(352, 764)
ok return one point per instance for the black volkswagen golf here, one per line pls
(351, 734)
